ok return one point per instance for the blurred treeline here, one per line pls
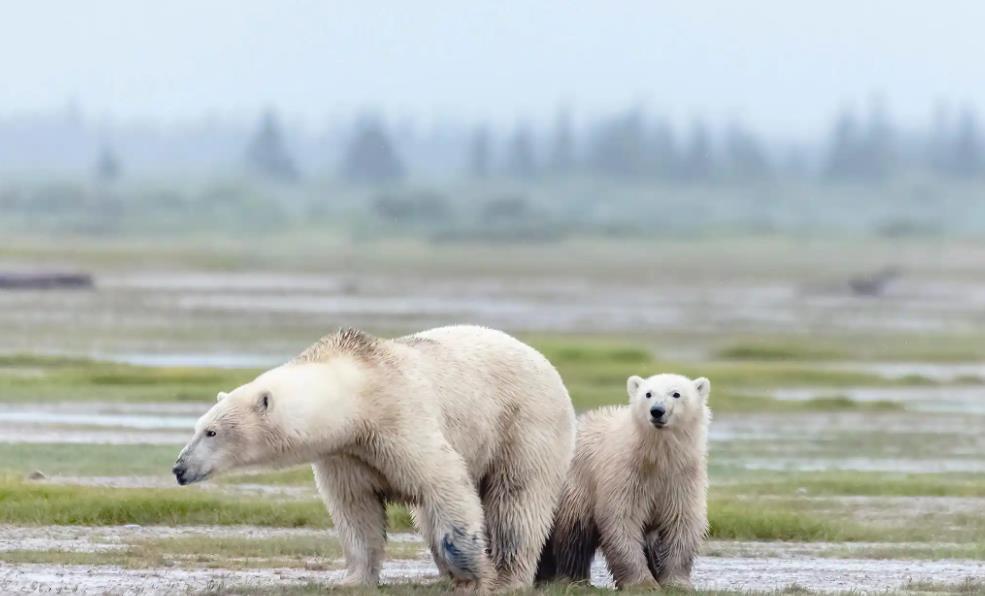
(625, 173)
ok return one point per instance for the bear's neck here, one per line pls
(682, 444)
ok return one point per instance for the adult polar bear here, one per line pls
(469, 426)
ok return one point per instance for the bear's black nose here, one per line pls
(657, 412)
(179, 473)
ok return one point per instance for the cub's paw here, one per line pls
(680, 584)
(641, 585)
(354, 580)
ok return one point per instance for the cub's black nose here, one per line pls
(179, 473)
(657, 412)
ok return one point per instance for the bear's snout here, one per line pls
(179, 470)
(657, 414)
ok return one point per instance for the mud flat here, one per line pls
(711, 573)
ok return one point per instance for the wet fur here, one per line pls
(637, 492)
(471, 428)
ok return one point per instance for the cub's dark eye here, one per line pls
(649, 395)
(676, 395)
(210, 433)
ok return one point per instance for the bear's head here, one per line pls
(668, 401)
(287, 415)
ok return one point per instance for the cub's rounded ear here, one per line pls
(633, 385)
(703, 386)
(221, 396)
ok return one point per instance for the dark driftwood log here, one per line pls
(44, 281)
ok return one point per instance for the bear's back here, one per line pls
(486, 387)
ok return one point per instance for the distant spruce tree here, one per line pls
(480, 153)
(937, 151)
(745, 154)
(662, 158)
(966, 147)
(108, 168)
(860, 153)
(562, 159)
(845, 148)
(266, 154)
(878, 151)
(520, 159)
(619, 145)
(698, 161)
(370, 156)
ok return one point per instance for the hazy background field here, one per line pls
(787, 199)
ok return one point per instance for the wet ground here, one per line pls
(759, 567)
(682, 308)
(139, 313)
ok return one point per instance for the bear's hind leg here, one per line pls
(519, 503)
(352, 495)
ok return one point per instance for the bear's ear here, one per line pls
(703, 386)
(221, 396)
(633, 385)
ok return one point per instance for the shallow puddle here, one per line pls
(736, 573)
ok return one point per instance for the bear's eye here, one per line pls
(210, 433)
(676, 395)
(649, 395)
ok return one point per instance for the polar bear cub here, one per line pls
(637, 487)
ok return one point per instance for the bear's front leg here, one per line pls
(452, 522)
(351, 493)
(621, 538)
(670, 561)
(676, 540)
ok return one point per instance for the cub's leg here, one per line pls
(352, 493)
(678, 532)
(621, 536)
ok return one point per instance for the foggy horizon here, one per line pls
(439, 62)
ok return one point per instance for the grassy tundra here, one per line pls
(861, 446)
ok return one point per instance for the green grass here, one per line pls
(43, 504)
(847, 347)
(834, 483)
(30, 503)
(56, 378)
(724, 402)
(784, 349)
(87, 459)
(731, 519)
(969, 586)
(594, 371)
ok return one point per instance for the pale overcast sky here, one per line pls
(780, 65)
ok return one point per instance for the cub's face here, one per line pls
(285, 416)
(668, 401)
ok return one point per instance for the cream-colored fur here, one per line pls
(469, 426)
(636, 489)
